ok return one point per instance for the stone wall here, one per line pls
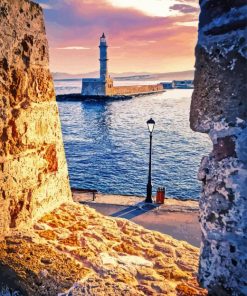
(33, 169)
(219, 108)
(93, 87)
(136, 89)
(97, 87)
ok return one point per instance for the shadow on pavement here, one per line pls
(134, 211)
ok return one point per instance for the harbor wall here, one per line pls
(135, 89)
(97, 86)
(93, 88)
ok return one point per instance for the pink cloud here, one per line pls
(80, 22)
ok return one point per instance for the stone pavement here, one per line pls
(176, 218)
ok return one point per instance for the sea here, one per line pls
(107, 143)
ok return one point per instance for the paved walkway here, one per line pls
(176, 218)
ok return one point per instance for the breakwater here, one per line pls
(133, 92)
(137, 89)
(80, 97)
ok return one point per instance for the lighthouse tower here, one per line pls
(102, 86)
(103, 58)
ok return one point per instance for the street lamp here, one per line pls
(150, 124)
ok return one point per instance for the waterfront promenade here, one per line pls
(175, 217)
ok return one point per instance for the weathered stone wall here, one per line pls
(93, 87)
(98, 87)
(33, 169)
(219, 108)
(136, 89)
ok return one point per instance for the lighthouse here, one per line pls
(102, 86)
(103, 58)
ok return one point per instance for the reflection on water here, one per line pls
(107, 144)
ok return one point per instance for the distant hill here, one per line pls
(185, 75)
(58, 75)
(131, 76)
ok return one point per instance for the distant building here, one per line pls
(103, 85)
(180, 84)
(183, 84)
(167, 85)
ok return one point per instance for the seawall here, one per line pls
(117, 97)
(80, 97)
(136, 89)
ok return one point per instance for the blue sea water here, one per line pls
(107, 143)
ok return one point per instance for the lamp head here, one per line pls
(103, 38)
(150, 124)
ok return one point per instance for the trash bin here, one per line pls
(160, 196)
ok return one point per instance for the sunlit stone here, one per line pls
(33, 169)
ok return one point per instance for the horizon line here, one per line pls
(146, 73)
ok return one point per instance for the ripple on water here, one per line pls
(107, 144)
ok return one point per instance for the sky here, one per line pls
(154, 36)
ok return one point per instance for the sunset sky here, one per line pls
(143, 35)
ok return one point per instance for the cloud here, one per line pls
(184, 8)
(152, 43)
(151, 8)
(195, 2)
(188, 24)
(73, 48)
(46, 6)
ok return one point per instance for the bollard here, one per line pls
(160, 196)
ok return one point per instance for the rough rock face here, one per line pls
(76, 251)
(219, 108)
(33, 170)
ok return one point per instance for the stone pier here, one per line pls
(219, 108)
(137, 89)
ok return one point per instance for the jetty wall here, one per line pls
(135, 89)
(219, 109)
(33, 169)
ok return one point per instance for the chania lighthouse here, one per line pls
(103, 58)
(99, 86)
(103, 86)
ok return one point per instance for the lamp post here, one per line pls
(150, 124)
